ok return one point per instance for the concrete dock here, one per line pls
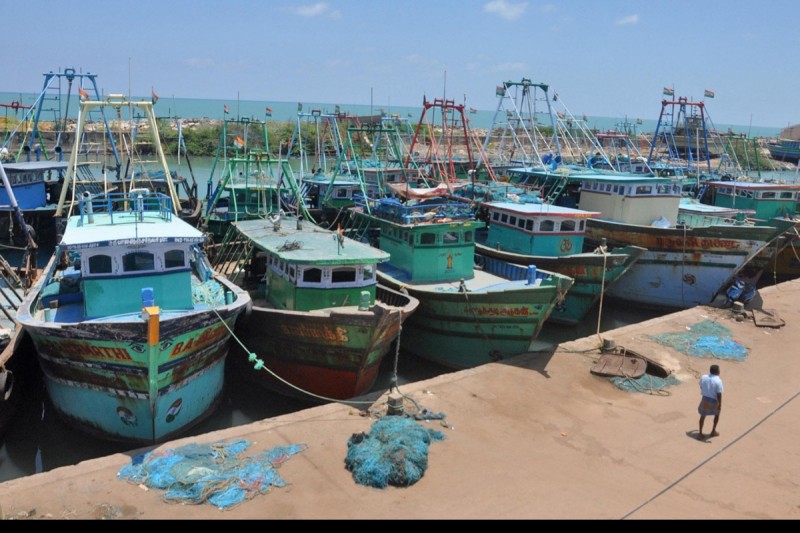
(535, 437)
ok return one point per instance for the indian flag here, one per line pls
(83, 93)
(238, 142)
(709, 94)
(668, 91)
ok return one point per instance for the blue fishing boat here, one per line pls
(552, 237)
(468, 315)
(131, 325)
(785, 150)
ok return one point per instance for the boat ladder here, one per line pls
(11, 289)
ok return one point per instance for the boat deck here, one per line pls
(481, 282)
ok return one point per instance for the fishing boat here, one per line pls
(467, 316)
(764, 202)
(785, 150)
(320, 322)
(246, 180)
(14, 283)
(34, 153)
(130, 324)
(688, 260)
(551, 238)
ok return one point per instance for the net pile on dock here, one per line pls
(704, 339)
(216, 473)
(394, 452)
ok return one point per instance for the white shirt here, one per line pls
(710, 385)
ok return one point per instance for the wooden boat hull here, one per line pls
(682, 268)
(98, 377)
(465, 329)
(593, 273)
(323, 355)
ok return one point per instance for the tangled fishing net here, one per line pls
(216, 473)
(645, 383)
(394, 452)
(210, 293)
(704, 339)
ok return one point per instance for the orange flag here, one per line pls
(84, 94)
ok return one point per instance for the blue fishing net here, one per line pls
(215, 473)
(210, 293)
(394, 452)
(704, 339)
(645, 383)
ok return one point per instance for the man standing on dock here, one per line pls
(711, 401)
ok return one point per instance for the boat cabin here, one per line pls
(301, 267)
(33, 183)
(428, 241)
(764, 200)
(116, 262)
(536, 229)
(632, 200)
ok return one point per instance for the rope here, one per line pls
(258, 364)
(602, 290)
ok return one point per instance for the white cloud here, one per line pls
(312, 10)
(630, 19)
(505, 9)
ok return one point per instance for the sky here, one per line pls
(608, 58)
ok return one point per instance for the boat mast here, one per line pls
(117, 101)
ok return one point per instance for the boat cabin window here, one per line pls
(521, 223)
(100, 264)
(343, 275)
(427, 238)
(138, 262)
(547, 225)
(450, 237)
(495, 216)
(766, 195)
(642, 190)
(567, 225)
(529, 225)
(312, 275)
(788, 195)
(174, 259)
(467, 236)
(341, 192)
(292, 273)
(368, 273)
(512, 220)
(504, 217)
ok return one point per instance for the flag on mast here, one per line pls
(269, 111)
(226, 108)
(83, 93)
(238, 142)
(668, 91)
(709, 94)
(154, 97)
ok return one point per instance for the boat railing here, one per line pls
(143, 203)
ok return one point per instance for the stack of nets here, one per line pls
(216, 473)
(704, 339)
(394, 452)
(210, 293)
